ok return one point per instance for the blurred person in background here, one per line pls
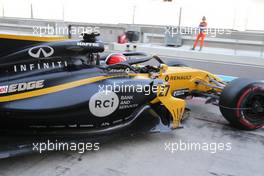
(201, 35)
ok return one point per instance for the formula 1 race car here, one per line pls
(68, 85)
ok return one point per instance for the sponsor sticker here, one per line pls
(180, 92)
(23, 86)
(182, 77)
(88, 44)
(39, 66)
(121, 70)
(127, 102)
(103, 104)
(41, 51)
(3, 89)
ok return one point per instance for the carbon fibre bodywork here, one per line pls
(52, 84)
(50, 97)
(64, 88)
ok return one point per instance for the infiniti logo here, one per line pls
(41, 51)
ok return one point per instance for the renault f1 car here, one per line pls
(70, 85)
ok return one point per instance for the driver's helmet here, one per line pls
(115, 58)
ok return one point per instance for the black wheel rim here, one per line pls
(253, 108)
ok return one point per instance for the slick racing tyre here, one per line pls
(242, 104)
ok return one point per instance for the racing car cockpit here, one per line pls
(87, 55)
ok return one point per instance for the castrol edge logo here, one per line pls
(24, 86)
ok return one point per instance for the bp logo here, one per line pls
(103, 103)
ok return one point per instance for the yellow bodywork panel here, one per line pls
(185, 78)
(178, 78)
(175, 106)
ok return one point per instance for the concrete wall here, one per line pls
(249, 40)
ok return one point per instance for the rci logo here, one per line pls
(103, 104)
(41, 51)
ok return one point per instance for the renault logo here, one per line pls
(41, 51)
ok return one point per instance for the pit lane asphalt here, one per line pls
(253, 71)
(146, 154)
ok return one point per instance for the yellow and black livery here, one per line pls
(63, 85)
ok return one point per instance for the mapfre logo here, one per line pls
(41, 51)
(103, 103)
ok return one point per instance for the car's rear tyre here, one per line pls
(242, 104)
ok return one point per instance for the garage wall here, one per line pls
(231, 14)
